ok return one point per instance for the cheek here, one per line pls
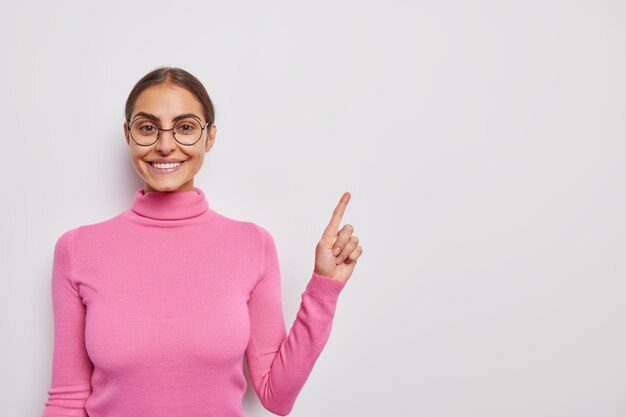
(137, 154)
(137, 163)
(199, 160)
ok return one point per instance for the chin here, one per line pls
(166, 186)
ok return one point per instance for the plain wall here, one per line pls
(482, 142)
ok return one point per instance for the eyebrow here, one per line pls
(153, 117)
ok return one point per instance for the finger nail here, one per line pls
(336, 250)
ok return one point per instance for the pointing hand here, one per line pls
(337, 251)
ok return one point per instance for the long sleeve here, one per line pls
(71, 366)
(279, 364)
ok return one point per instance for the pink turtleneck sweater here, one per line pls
(155, 308)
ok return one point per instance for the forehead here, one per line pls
(167, 101)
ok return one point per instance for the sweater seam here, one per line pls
(72, 260)
(262, 266)
(256, 359)
(262, 261)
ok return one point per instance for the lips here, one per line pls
(154, 164)
(166, 160)
(165, 167)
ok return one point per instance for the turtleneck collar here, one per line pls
(170, 205)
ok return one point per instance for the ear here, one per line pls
(126, 133)
(210, 138)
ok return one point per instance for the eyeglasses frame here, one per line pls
(159, 130)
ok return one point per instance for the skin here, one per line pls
(336, 252)
(167, 101)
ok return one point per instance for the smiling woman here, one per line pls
(156, 308)
(171, 97)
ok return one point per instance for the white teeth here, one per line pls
(165, 166)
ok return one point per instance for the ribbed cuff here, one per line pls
(324, 288)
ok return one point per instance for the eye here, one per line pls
(144, 127)
(186, 127)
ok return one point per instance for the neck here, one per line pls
(170, 205)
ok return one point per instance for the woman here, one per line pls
(155, 308)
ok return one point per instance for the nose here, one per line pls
(166, 142)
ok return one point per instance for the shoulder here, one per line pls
(64, 248)
(65, 241)
(245, 229)
(77, 236)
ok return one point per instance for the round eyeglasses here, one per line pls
(145, 132)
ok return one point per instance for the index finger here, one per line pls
(335, 220)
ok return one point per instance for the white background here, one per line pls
(482, 142)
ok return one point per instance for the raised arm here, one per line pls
(71, 366)
(279, 364)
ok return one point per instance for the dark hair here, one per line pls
(178, 76)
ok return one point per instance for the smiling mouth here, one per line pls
(166, 165)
